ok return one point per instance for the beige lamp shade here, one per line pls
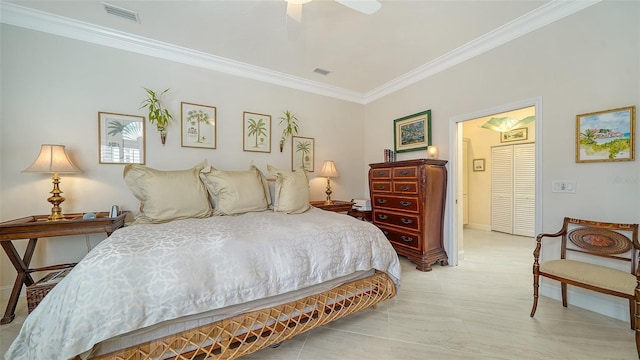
(432, 152)
(52, 159)
(329, 169)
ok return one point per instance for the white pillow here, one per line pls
(236, 192)
(292, 191)
(167, 195)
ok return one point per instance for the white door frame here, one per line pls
(454, 188)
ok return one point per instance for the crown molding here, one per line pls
(20, 16)
(533, 20)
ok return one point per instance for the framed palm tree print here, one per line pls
(198, 125)
(256, 132)
(120, 138)
(302, 153)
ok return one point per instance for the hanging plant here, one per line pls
(290, 122)
(158, 115)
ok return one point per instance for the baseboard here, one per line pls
(478, 227)
(607, 305)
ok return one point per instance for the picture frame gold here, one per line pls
(302, 153)
(197, 125)
(607, 135)
(412, 132)
(256, 132)
(121, 138)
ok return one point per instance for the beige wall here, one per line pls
(586, 62)
(53, 88)
(481, 141)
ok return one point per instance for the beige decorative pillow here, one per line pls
(292, 191)
(167, 195)
(236, 192)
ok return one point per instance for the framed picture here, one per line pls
(121, 138)
(606, 135)
(412, 132)
(478, 164)
(302, 153)
(198, 125)
(256, 132)
(513, 135)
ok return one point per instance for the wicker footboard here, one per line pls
(241, 335)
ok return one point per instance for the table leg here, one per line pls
(23, 276)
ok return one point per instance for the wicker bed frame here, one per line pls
(244, 334)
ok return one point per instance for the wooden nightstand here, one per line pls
(364, 215)
(337, 206)
(34, 227)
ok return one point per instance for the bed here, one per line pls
(211, 286)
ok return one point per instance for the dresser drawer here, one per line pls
(405, 187)
(405, 172)
(381, 186)
(404, 239)
(384, 173)
(406, 221)
(404, 203)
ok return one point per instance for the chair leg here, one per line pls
(563, 286)
(536, 280)
(632, 313)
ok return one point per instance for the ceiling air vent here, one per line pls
(120, 12)
(321, 71)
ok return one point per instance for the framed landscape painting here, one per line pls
(412, 132)
(606, 135)
(256, 132)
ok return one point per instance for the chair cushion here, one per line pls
(591, 274)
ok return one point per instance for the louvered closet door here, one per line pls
(524, 189)
(502, 189)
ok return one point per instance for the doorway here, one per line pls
(462, 137)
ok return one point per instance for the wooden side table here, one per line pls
(337, 206)
(34, 227)
(364, 215)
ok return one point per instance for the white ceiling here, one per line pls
(364, 53)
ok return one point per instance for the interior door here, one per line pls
(524, 189)
(502, 189)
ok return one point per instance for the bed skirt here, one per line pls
(244, 334)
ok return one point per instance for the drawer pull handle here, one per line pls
(405, 187)
(381, 201)
(406, 238)
(406, 221)
(380, 173)
(382, 217)
(381, 187)
(404, 172)
(405, 203)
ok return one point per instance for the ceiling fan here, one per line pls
(367, 7)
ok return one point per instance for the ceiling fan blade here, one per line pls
(367, 7)
(294, 11)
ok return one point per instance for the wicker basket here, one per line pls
(37, 291)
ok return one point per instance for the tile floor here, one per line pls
(477, 310)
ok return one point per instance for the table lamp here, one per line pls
(432, 152)
(328, 170)
(53, 159)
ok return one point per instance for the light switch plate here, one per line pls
(563, 186)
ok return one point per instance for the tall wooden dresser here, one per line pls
(408, 200)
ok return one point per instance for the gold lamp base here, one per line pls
(56, 199)
(328, 192)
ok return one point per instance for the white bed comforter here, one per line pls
(145, 274)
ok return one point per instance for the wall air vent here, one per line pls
(120, 12)
(321, 71)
